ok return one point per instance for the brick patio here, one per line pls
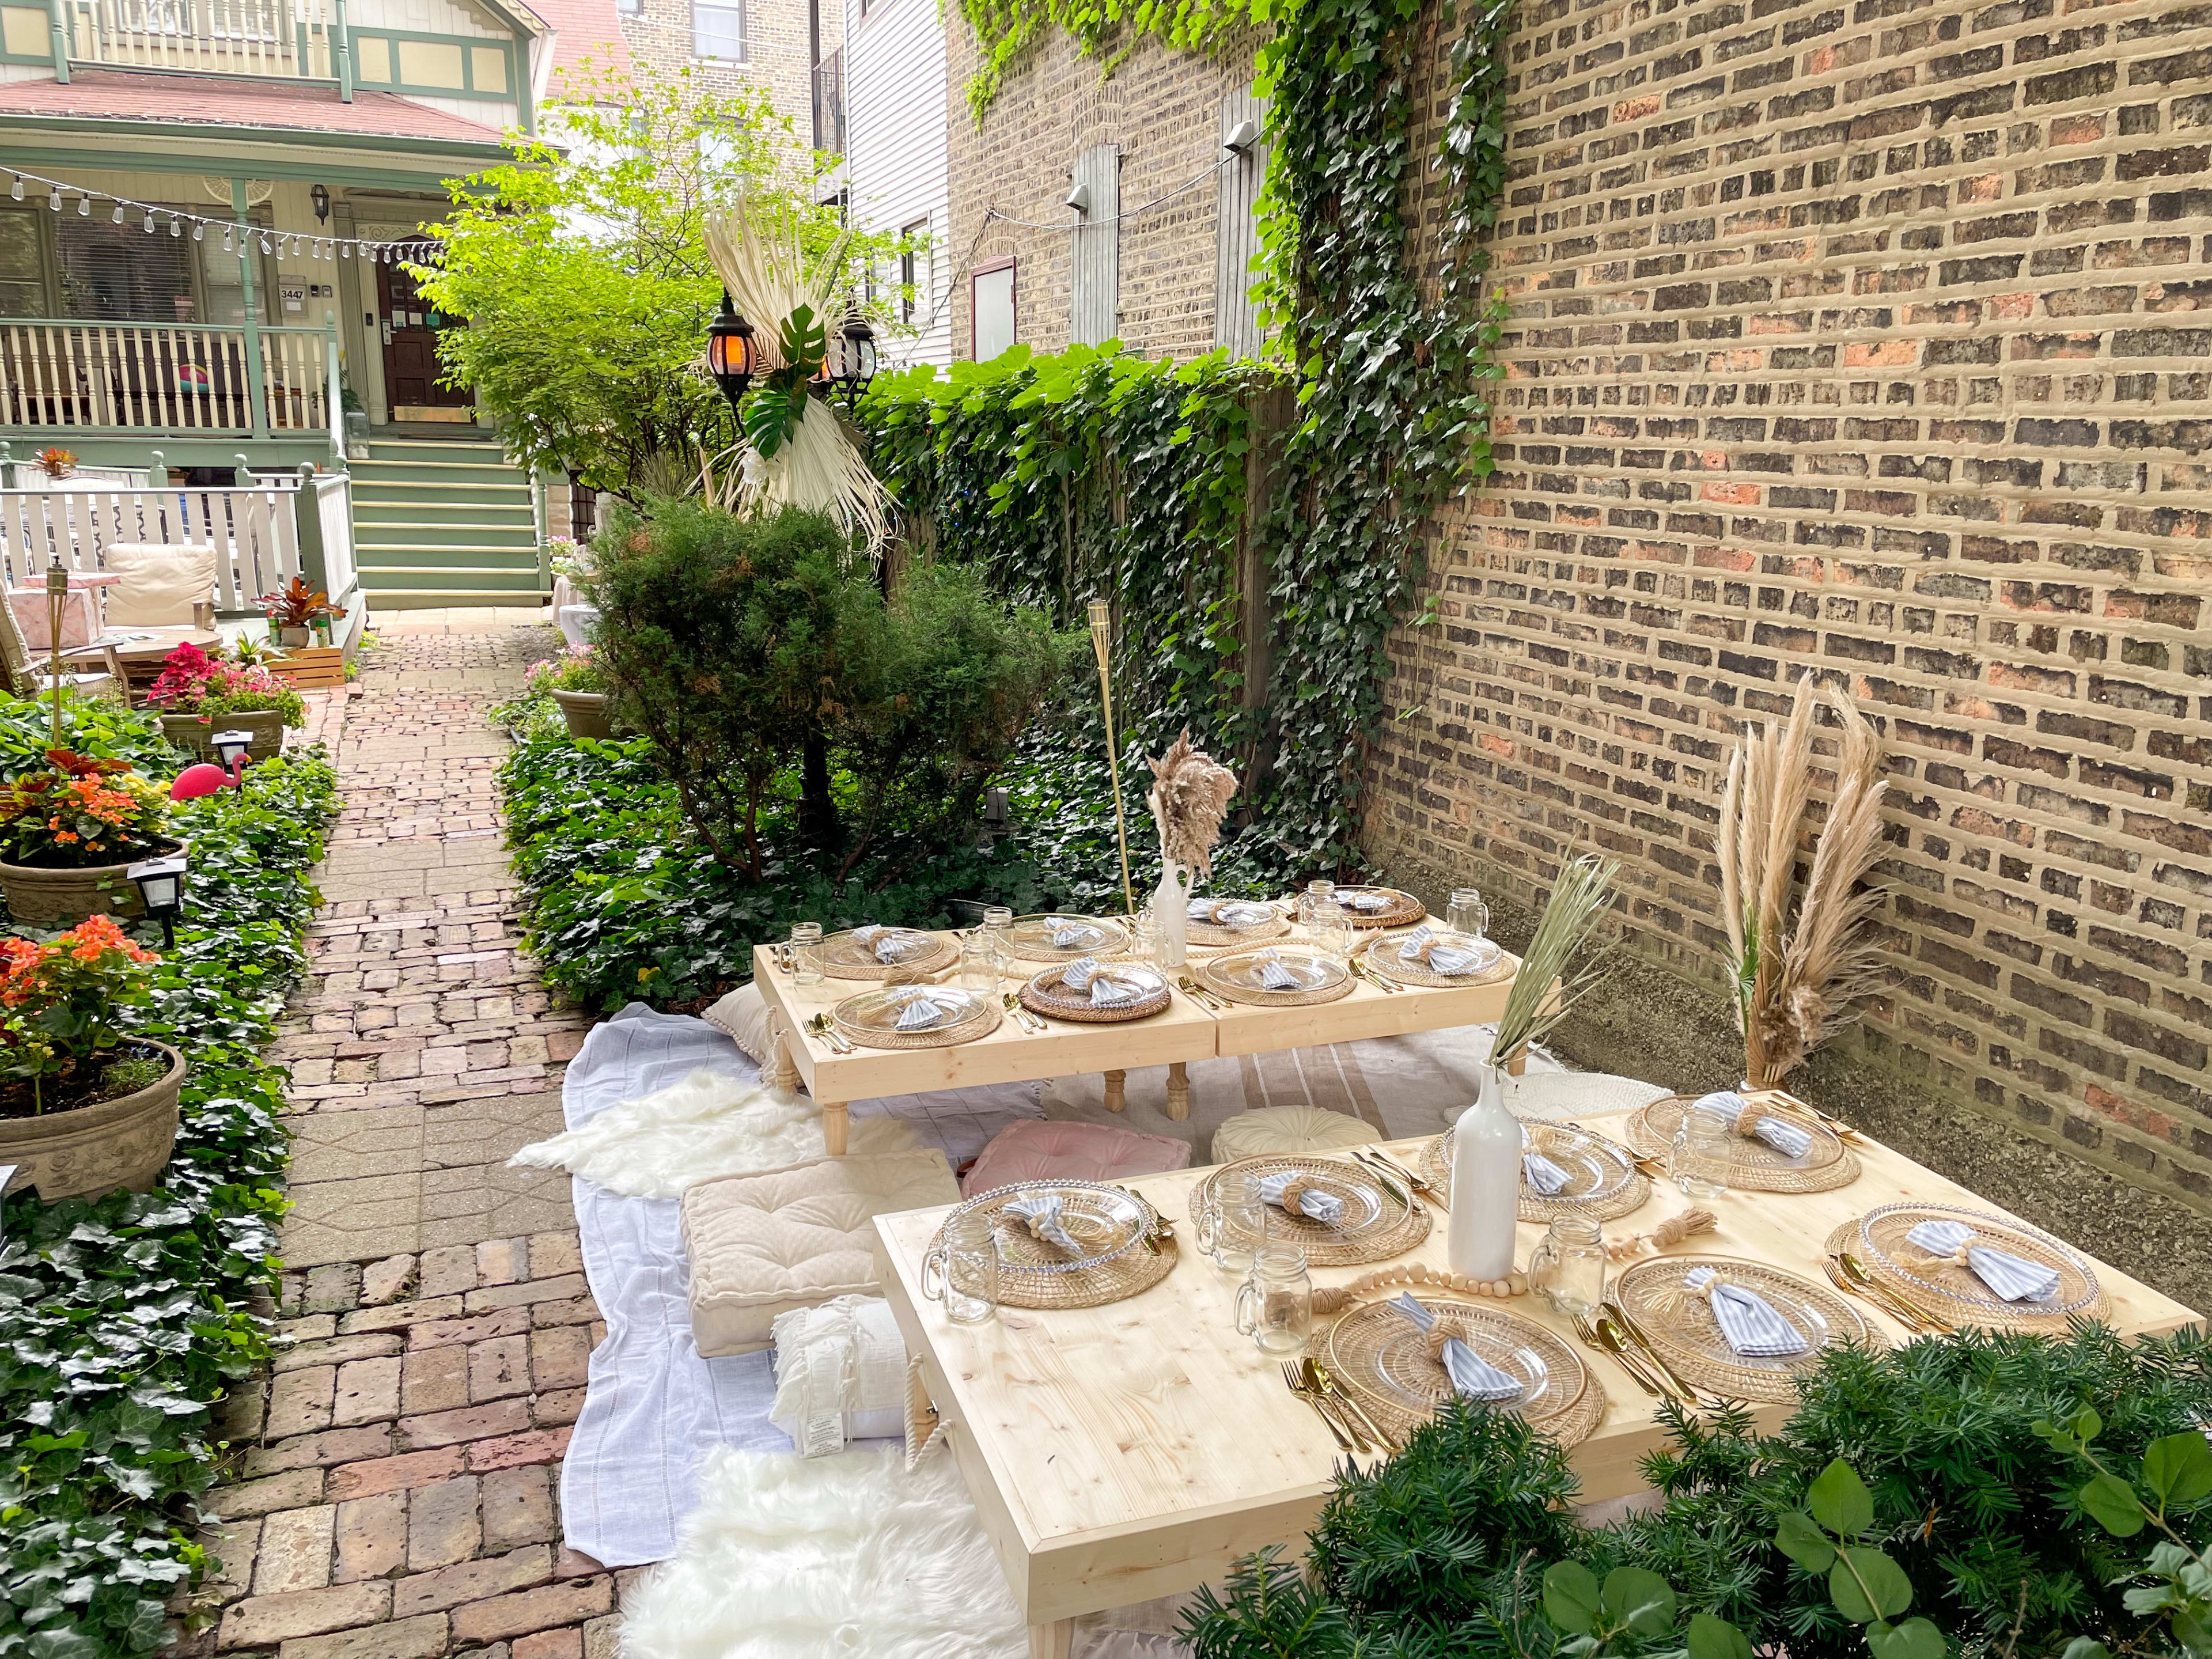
(396, 1492)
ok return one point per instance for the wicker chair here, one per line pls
(29, 677)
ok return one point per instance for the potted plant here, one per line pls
(70, 831)
(293, 611)
(84, 1108)
(197, 693)
(579, 685)
(55, 461)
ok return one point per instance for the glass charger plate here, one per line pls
(1956, 1292)
(1384, 1359)
(1383, 956)
(1248, 922)
(1398, 909)
(1320, 978)
(1046, 995)
(872, 1017)
(1375, 1227)
(1129, 1247)
(1602, 1179)
(1758, 1168)
(1030, 938)
(844, 955)
(1681, 1323)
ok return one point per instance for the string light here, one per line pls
(17, 192)
(54, 200)
(84, 207)
(149, 222)
(117, 218)
(284, 243)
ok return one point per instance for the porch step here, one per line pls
(444, 522)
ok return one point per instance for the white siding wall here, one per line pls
(894, 156)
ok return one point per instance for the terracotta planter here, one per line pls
(191, 733)
(88, 1151)
(39, 897)
(586, 713)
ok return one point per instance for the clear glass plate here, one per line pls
(1106, 1220)
(1957, 1293)
(877, 1011)
(1383, 1354)
(1681, 1323)
(1032, 936)
(1312, 971)
(1383, 956)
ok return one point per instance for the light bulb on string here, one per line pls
(176, 226)
(265, 245)
(84, 207)
(17, 191)
(116, 218)
(199, 230)
(54, 201)
(149, 222)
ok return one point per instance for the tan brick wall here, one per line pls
(1861, 339)
(1163, 109)
(660, 39)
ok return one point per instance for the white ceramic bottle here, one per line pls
(1485, 1195)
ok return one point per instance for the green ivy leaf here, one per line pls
(1916, 1638)
(2111, 1503)
(1839, 1500)
(2085, 1647)
(1573, 1600)
(1866, 1585)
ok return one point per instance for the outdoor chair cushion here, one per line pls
(763, 1243)
(743, 1016)
(1031, 1148)
(161, 583)
(1288, 1129)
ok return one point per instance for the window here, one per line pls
(23, 265)
(915, 274)
(119, 274)
(718, 31)
(993, 290)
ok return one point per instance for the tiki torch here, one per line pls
(57, 601)
(1102, 643)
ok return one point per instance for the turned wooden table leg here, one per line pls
(834, 1127)
(1178, 1090)
(1052, 1641)
(1115, 1096)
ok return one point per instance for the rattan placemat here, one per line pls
(1385, 1361)
(1211, 936)
(1610, 1184)
(1045, 994)
(1034, 1274)
(1382, 955)
(1027, 939)
(981, 1023)
(1377, 1226)
(1405, 909)
(1214, 976)
(1955, 1292)
(1758, 1168)
(844, 957)
(1680, 1324)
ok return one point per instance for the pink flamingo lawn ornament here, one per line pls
(205, 778)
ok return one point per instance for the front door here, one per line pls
(411, 353)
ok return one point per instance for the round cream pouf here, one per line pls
(1274, 1129)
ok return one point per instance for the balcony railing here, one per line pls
(222, 37)
(829, 103)
(252, 382)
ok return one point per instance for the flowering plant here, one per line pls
(58, 1001)
(574, 670)
(80, 811)
(567, 558)
(194, 682)
(55, 461)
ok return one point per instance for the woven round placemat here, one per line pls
(1208, 934)
(1877, 1239)
(1758, 1168)
(1681, 1324)
(1404, 911)
(1382, 1231)
(1034, 1274)
(1382, 955)
(1379, 1355)
(1211, 976)
(980, 1023)
(1044, 993)
(1625, 1190)
(844, 956)
(1024, 943)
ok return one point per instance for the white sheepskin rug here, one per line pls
(708, 1125)
(793, 1558)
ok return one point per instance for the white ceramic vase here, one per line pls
(1171, 913)
(1486, 1200)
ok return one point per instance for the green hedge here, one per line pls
(123, 1322)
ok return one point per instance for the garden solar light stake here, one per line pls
(1102, 640)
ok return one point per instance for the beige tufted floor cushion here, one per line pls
(762, 1244)
(1288, 1129)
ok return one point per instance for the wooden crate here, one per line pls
(311, 667)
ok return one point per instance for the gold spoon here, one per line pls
(1855, 1271)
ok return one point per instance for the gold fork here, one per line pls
(1582, 1329)
(1319, 1376)
(1292, 1381)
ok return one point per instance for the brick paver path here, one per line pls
(397, 1479)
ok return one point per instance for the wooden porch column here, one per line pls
(256, 388)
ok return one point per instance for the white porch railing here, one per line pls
(252, 381)
(291, 38)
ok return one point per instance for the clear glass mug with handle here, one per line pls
(1274, 1304)
(1232, 1222)
(1703, 1151)
(807, 953)
(1466, 913)
(962, 1269)
(1567, 1268)
(1330, 929)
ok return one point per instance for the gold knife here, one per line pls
(1291, 1380)
(1857, 1272)
(1627, 1362)
(1318, 1374)
(1635, 1333)
(1387, 1180)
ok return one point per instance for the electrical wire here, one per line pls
(1082, 223)
(416, 251)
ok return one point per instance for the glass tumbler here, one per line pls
(1233, 1223)
(962, 1269)
(1274, 1304)
(1466, 913)
(1702, 1152)
(1568, 1268)
(806, 952)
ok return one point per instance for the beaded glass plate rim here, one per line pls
(1211, 976)
(1840, 1171)
(1723, 1376)
(1116, 943)
(1038, 999)
(1631, 1196)
(2096, 1303)
(1405, 912)
(1391, 966)
(941, 952)
(1327, 1247)
(1148, 1220)
(984, 1021)
(1574, 1421)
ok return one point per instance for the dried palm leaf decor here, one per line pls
(1794, 976)
(1556, 951)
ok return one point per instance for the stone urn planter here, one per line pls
(41, 897)
(586, 713)
(87, 1151)
(190, 733)
(296, 636)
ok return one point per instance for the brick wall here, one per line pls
(1862, 339)
(660, 39)
(1163, 109)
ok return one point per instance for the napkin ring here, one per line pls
(1294, 1190)
(1746, 1120)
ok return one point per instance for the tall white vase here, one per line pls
(1485, 1195)
(1171, 913)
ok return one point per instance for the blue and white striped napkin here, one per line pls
(1324, 1207)
(1073, 933)
(1473, 1377)
(891, 944)
(1363, 898)
(1747, 1319)
(1108, 989)
(1790, 1140)
(1229, 913)
(1273, 977)
(1423, 946)
(922, 1006)
(1041, 1212)
(2011, 1277)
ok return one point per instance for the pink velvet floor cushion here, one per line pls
(1085, 1152)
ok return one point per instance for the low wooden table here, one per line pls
(1187, 1030)
(1135, 1450)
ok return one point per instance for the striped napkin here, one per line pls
(1108, 989)
(891, 944)
(1423, 946)
(1538, 1171)
(1473, 1377)
(923, 1007)
(1071, 933)
(1747, 1319)
(1324, 1207)
(1274, 977)
(1041, 1213)
(1229, 913)
(2011, 1277)
(1790, 1140)
(1363, 898)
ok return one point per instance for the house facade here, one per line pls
(896, 160)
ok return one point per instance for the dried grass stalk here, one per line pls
(1189, 798)
(1570, 922)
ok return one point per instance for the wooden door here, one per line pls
(410, 350)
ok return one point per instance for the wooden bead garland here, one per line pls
(1337, 1298)
(1673, 1231)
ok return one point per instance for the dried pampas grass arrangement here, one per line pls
(1570, 922)
(1794, 978)
(1189, 799)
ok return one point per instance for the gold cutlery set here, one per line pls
(1849, 1274)
(1347, 1418)
(1614, 1333)
(1397, 1179)
(1028, 1021)
(827, 1032)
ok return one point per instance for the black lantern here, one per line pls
(161, 884)
(320, 196)
(851, 362)
(733, 358)
(230, 748)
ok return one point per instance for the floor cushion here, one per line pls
(744, 1018)
(840, 1374)
(162, 582)
(1083, 1151)
(1272, 1129)
(763, 1243)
